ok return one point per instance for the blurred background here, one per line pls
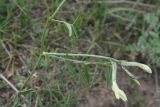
(121, 29)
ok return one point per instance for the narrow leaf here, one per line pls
(71, 70)
(120, 94)
(131, 75)
(140, 65)
(114, 70)
(108, 74)
(86, 73)
(69, 26)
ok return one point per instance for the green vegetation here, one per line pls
(52, 52)
(149, 41)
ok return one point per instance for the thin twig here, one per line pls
(5, 48)
(19, 7)
(36, 103)
(129, 2)
(9, 83)
(122, 2)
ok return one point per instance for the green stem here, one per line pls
(81, 62)
(82, 55)
(114, 71)
(33, 71)
(46, 25)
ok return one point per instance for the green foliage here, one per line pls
(108, 74)
(29, 27)
(85, 74)
(72, 71)
(149, 41)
